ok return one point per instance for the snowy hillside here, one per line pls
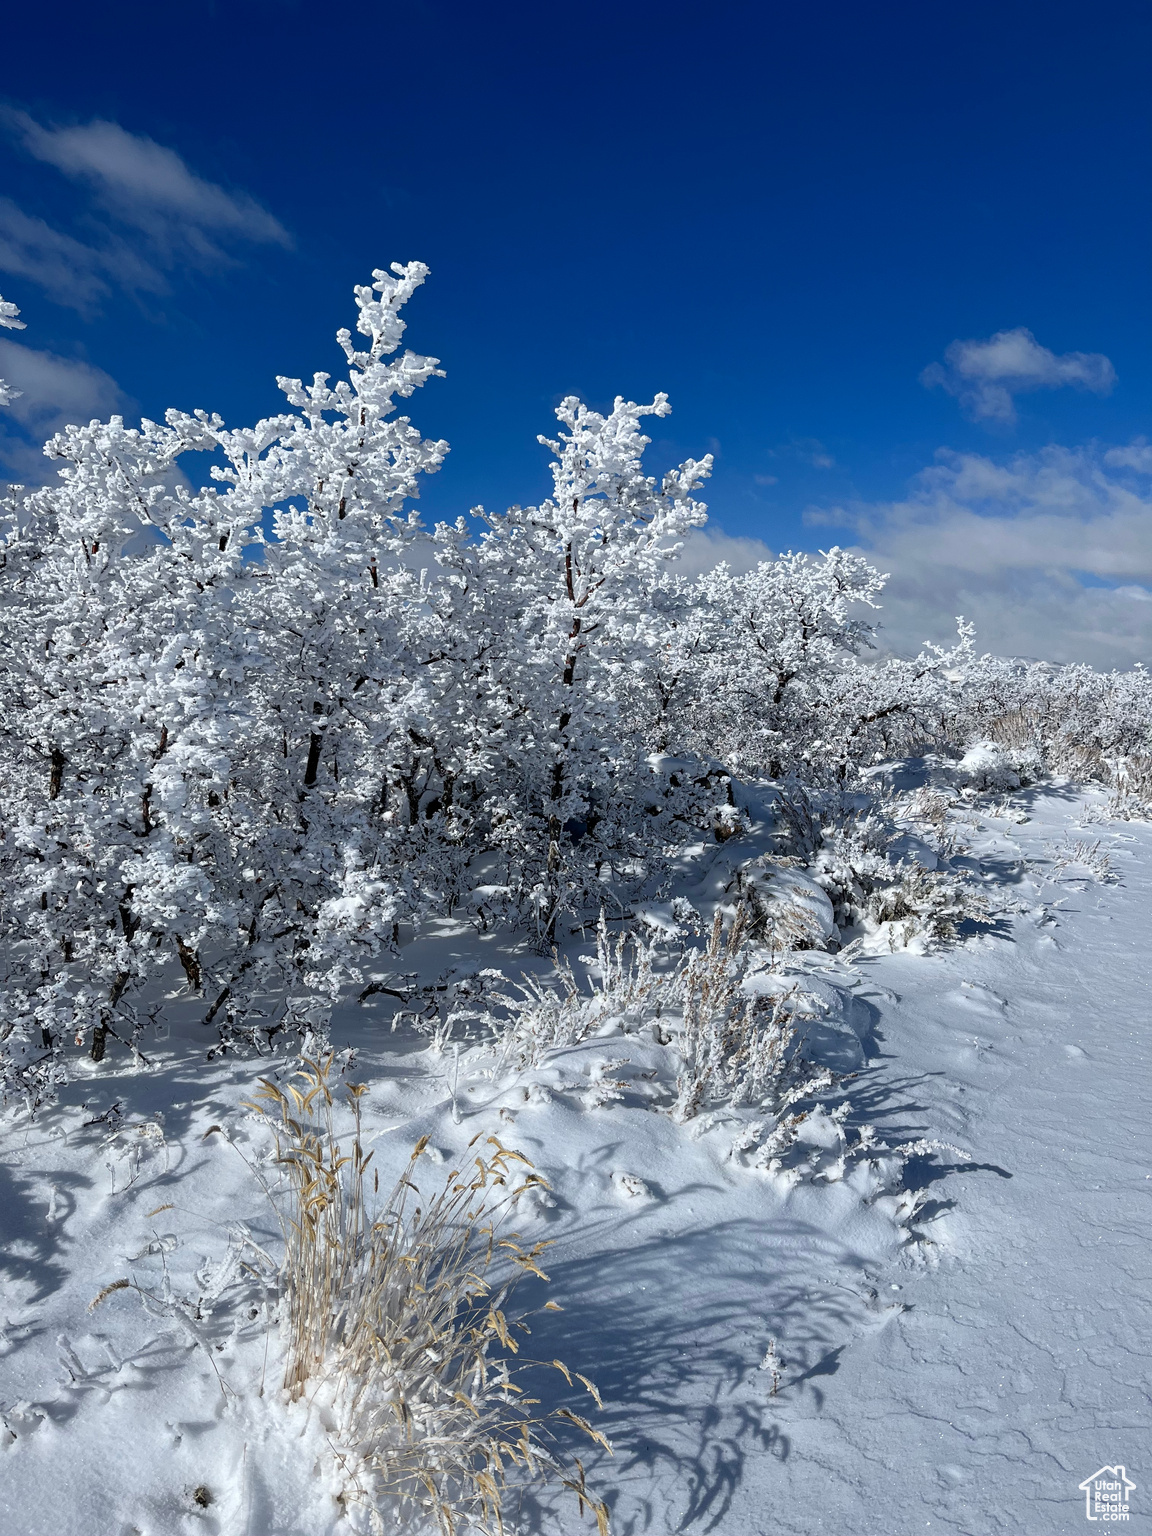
(816, 1334)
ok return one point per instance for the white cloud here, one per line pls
(154, 215)
(147, 184)
(76, 275)
(810, 450)
(706, 547)
(1049, 554)
(985, 375)
(1137, 455)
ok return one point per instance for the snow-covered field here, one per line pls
(860, 1344)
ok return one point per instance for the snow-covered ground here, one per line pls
(957, 1351)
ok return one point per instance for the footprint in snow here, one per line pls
(974, 995)
(535, 1200)
(630, 1187)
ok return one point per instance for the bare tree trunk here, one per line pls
(315, 747)
(56, 780)
(101, 1032)
(190, 960)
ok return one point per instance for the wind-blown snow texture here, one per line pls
(957, 1353)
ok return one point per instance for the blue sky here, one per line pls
(780, 214)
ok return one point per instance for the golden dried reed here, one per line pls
(397, 1319)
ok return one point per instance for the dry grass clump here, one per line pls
(1016, 728)
(735, 1047)
(1072, 853)
(398, 1325)
(538, 1018)
(1130, 777)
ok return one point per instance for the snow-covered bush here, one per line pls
(782, 906)
(991, 767)
(986, 766)
(897, 898)
(1067, 720)
(630, 989)
(1079, 853)
(921, 906)
(724, 1011)
(737, 1044)
(879, 877)
(1130, 777)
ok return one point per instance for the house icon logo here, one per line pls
(1106, 1494)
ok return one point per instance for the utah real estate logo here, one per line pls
(1106, 1494)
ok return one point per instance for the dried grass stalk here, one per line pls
(736, 1048)
(538, 1018)
(398, 1323)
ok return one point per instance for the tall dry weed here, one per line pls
(538, 1018)
(736, 1047)
(397, 1319)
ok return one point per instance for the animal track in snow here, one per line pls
(631, 1187)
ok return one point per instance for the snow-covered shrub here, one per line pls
(1021, 742)
(1080, 854)
(986, 766)
(748, 677)
(898, 899)
(238, 1290)
(1067, 720)
(630, 989)
(1027, 762)
(398, 1322)
(927, 808)
(737, 1045)
(848, 845)
(782, 906)
(724, 1012)
(922, 906)
(1130, 777)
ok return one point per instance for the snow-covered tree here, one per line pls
(751, 657)
(570, 582)
(191, 770)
